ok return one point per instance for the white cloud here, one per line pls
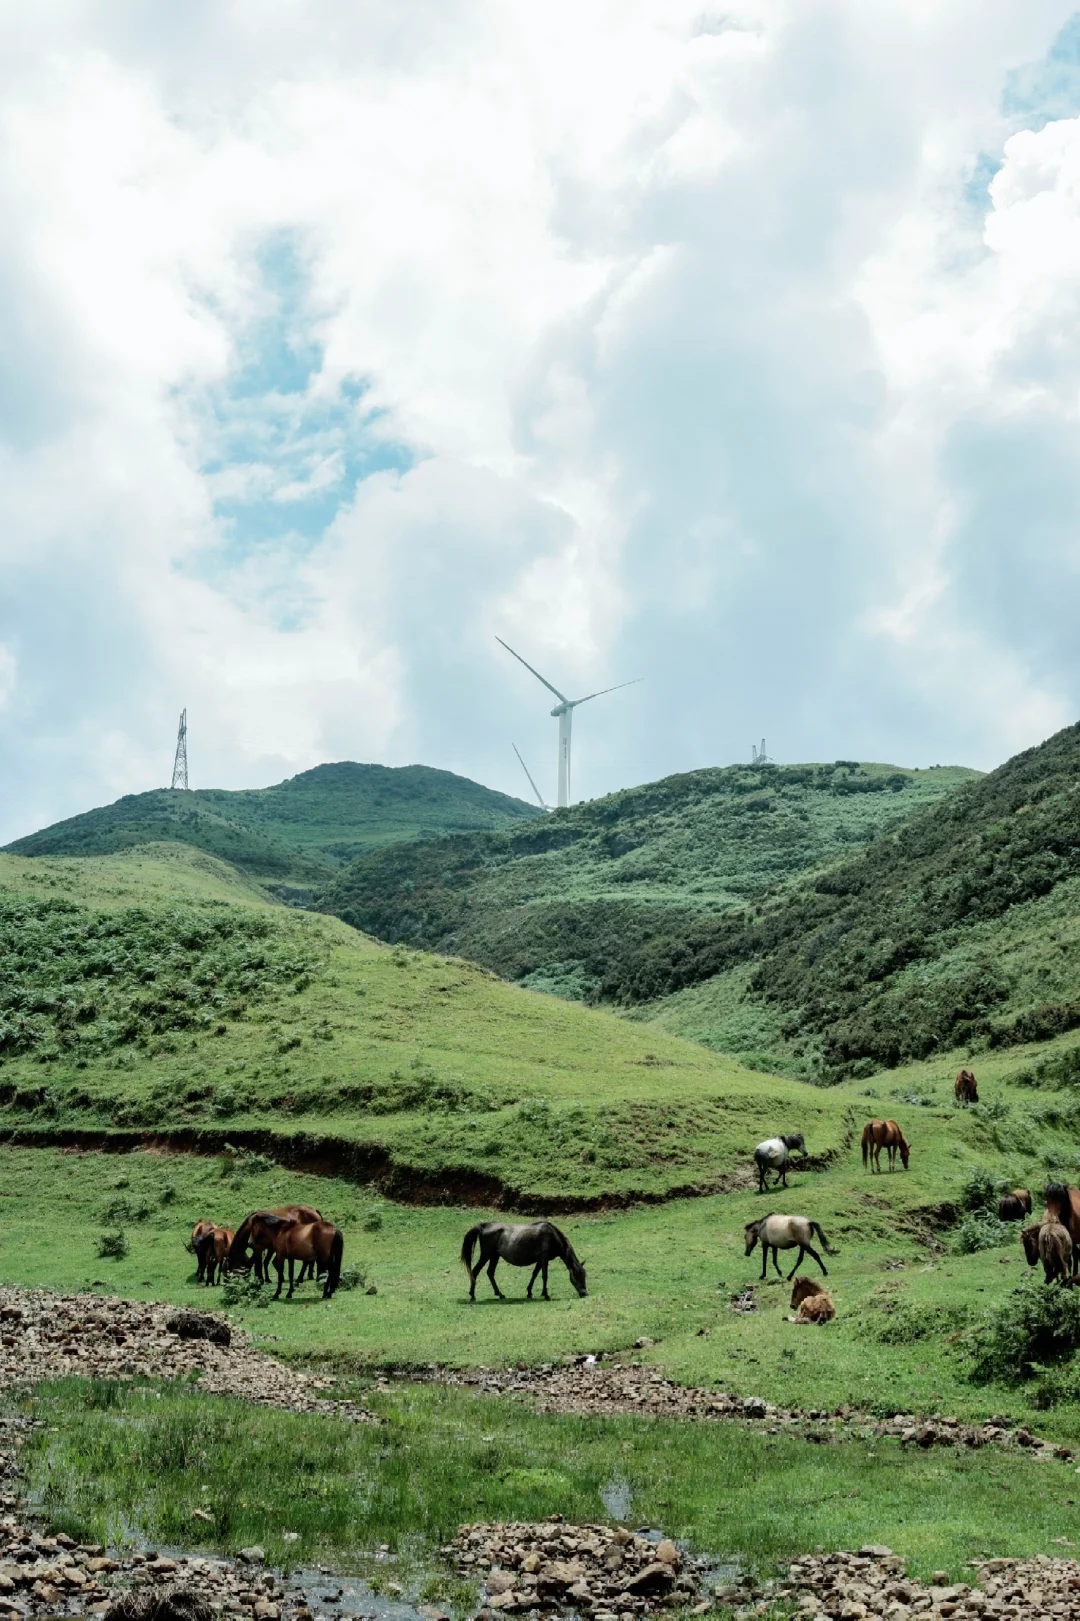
(658, 340)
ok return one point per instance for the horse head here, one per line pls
(905, 1150)
(1030, 1240)
(577, 1274)
(795, 1140)
(752, 1232)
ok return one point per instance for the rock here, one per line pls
(875, 1550)
(643, 1342)
(252, 1556)
(499, 1581)
(199, 1325)
(154, 1604)
(265, 1609)
(667, 1552)
(654, 1578)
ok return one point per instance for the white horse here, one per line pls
(774, 1154)
(785, 1233)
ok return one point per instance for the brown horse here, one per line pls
(315, 1243)
(261, 1250)
(879, 1134)
(1050, 1243)
(1063, 1205)
(1014, 1206)
(200, 1231)
(213, 1252)
(965, 1088)
(814, 1304)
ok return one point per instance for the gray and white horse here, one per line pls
(536, 1244)
(774, 1154)
(786, 1233)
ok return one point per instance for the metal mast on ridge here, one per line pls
(179, 770)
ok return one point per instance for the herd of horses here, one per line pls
(294, 1233)
(300, 1232)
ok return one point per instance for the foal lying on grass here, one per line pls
(786, 1233)
(815, 1304)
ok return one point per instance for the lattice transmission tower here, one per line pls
(179, 770)
(758, 756)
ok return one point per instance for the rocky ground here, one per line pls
(586, 1386)
(612, 1574)
(47, 1336)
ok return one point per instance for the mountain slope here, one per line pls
(572, 903)
(300, 830)
(961, 928)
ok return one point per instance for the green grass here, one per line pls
(298, 831)
(119, 1463)
(572, 903)
(211, 1015)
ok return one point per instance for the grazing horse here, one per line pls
(238, 1256)
(814, 1304)
(1014, 1206)
(200, 1231)
(535, 1244)
(213, 1252)
(315, 1242)
(965, 1087)
(1050, 1243)
(774, 1154)
(785, 1233)
(1063, 1205)
(879, 1134)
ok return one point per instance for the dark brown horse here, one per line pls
(1063, 1205)
(1014, 1206)
(200, 1231)
(315, 1243)
(879, 1134)
(213, 1251)
(238, 1256)
(536, 1244)
(965, 1088)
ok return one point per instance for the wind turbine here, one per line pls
(540, 798)
(564, 713)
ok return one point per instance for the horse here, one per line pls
(201, 1230)
(1050, 1243)
(784, 1233)
(534, 1244)
(314, 1242)
(213, 1252)
(1014, 1206)
(965, 1087)
(1063, 1205)
(814, 1304)
(774, 1154)
(261, 1252)
(879, 1134)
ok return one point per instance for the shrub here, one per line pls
(1033, 1326)
(352, 1277)
(373, 1220)
(981, 1191)
(112, 1246)
(242, 1289)
(893, 1320)
(980, 1230)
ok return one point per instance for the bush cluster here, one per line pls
(1031, 1328)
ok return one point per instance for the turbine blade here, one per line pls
(528, 773)
(635, 682)
(560, 695)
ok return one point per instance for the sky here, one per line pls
(731, 346)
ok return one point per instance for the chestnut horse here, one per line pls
(314, 1243)
(261, 1250)
(879, 1134)
(1063, 1205)
(965, 1088)
(213, 1252)
(200, 1231)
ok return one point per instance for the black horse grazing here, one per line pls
(535, 1245)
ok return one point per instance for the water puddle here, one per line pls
(615, 1496)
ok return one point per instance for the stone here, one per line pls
(252, 1556)
(654, 1578)
(199, 1325)
(667, 1552)
(499, 1581)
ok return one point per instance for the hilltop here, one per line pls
(960, 929)
(572, 903)
(300, 830)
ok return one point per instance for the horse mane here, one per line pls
(566, 1252)
(1057, 1194)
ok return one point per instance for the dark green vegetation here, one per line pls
(134, 1461)
(580, 902)
(300, 830)
(202, 1014)
(961, 929)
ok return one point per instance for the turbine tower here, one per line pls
(564, 714)
(179, 770)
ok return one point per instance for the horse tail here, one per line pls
(866, 1133)
(333, 1264)
(469, 1243)
(815, 1227)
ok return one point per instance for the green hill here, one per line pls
(961, 929)
(574, 903)
(298, 831)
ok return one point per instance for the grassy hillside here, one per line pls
(959, 930)
(148, 995)
(299, 830)
(571, 903)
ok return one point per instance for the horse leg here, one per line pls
(817, 1258)
(279, 1267)
(776, 1261)
(492, 1264)
(798, 1263)
(543, 1291)
(532, 1280)
(474, 1273)
(764, 1259)
(292, 1264)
